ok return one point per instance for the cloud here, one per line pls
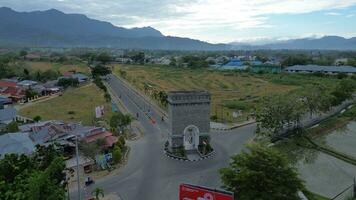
(193, 18)
(350, 15)
(333, 13)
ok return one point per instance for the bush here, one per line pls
(66, 82)
(71, 112)
(236, 105)
(37, 118)
(12, 127)
(214, 118)
(341, 75)
(117, 155)
(100, 70)
(121, 142)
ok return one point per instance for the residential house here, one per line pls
(81, 77)
(48, 131)
(17, 143)
(4, 101)
(52, 87)
(341, 61)
(11, 90)
(7, 115)
(27, 84)
(235, 64)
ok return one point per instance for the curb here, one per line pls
(233, 127)
(169, 155)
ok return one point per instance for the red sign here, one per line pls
(191, 192)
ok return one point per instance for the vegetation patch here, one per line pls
(75, 105)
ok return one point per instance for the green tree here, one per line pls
(262, 173)
(103, 58)
(23, 54)
(100, 70)
(117, 154)
(120, 120)
(90, 150)
(278, 112)
(37, 177)
(343, 91)
(139, 58)
(12, 127)
(163, 98)
(97, 192)
(30, 93)
(316, 98)
(67, 82)
(37, 118)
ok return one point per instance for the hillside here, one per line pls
(54, 28)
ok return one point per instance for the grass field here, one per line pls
(230, 91)
(75, 105)
(43, 66)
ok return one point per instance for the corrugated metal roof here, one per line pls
(7, 114)
(18, 143)
(317, 68)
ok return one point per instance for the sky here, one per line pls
(216, 21)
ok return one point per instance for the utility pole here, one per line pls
(354, 187)
(77, 157)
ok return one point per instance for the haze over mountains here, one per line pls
(53, 28)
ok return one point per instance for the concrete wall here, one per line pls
(188, 108)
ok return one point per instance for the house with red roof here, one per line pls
(11, 90)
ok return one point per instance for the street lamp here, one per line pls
(77, 158)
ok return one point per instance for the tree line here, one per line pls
(280, 111)
(40, 176)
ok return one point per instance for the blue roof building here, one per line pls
(236, 64)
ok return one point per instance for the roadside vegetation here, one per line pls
(39, 176)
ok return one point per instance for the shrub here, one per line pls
(12, 127)
(37, 118)
(117, 155)
(71, 112)
(237, 105)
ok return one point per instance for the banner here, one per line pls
(191, 192)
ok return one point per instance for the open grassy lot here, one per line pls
(43, 66)
(231, 91)
(75, 105)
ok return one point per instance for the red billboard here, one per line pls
(191, 192)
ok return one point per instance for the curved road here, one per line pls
(149, 174)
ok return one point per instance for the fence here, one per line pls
(347, 194)
(309, 121)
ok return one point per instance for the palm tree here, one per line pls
(98, 192)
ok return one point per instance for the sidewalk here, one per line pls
(225, 127)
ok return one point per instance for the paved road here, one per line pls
(149, 174)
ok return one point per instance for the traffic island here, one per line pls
(203, 152)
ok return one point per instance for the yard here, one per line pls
(43, 66)
(231, 91)
(75, 105)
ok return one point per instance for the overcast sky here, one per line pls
(215, 20)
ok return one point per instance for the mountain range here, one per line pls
(324, 43)
(53, 28)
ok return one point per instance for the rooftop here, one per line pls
(7, 114)
(317, 68)
(18, 143)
